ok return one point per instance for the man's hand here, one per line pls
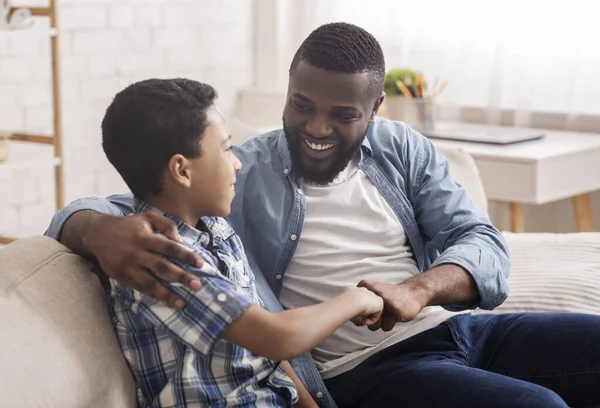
(401, 303)
(371, 305)
(127, 247)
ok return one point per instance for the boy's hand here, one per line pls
(402, 303)
(371, 306)
(305, 400)
(127, 247)
(306, 403)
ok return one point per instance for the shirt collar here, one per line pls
(286, 158)
(191, 236)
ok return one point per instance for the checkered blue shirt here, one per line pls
(177, 356)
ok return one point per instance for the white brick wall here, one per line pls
(105, 45)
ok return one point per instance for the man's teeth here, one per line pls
(316, 146)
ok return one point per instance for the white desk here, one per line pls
(561, 165)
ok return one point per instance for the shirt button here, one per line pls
(286, 171)
(221, 297)
(299, 191)
(319, 394)
(293, 237)
(278, 277)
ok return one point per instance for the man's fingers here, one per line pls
(364, 284)
(372, 286)
(163, 246)
(168, 270)
(163, 225)
(370, 320)
(388, 322)
(147, 284)
(376, 325)
(160, 292)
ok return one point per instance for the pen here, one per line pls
(405, 91)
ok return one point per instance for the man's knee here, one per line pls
(539, 397)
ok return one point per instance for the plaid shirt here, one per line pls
(177, 356)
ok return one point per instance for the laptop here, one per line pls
(468, 132)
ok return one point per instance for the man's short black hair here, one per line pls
(343, 47)
(150, 121)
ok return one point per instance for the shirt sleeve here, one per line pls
(455, 229)
(207, 312)
(116, 205)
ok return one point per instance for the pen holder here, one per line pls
(415, 112)
(4, 146)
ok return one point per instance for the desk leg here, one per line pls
(517, 221)
(583, 213)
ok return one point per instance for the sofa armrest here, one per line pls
(553, 273)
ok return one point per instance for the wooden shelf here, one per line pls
(31, 137)
(26, 150)
(22, 155)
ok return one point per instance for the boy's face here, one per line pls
(212, 174)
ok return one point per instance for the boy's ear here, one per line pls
(179, 169)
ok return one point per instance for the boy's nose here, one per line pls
(237, 164)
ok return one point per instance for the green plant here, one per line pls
(393, 75)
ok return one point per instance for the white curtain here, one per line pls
(526, 56)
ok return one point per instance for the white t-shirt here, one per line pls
(350, 233)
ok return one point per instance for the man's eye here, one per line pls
(346, 118)
(302, 107)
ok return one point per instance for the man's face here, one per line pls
(325, 120)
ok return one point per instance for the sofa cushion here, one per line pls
(553, 273)
(57, 346)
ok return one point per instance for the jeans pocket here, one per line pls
(458, 339)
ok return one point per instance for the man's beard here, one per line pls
(318, 176)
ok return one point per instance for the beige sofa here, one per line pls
(57, 347)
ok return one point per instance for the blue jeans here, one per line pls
(531, 360)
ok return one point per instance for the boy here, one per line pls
(172, 147)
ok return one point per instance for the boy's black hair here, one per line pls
(343, 47)
(150, 121)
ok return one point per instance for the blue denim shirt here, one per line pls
(442, 224)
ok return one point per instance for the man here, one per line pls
(341, 197)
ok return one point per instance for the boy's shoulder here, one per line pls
(231, 244)
(219, 227)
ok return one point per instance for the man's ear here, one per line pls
(377, 105)
(179, 170)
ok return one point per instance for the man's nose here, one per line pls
(318, 127)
